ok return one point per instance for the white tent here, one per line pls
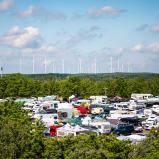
(67, 130)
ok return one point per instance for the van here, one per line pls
(124, 129)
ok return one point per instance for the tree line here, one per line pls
(20, 139)
(17, 85)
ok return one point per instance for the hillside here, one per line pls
(100, 76)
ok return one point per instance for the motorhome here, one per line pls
(97, 110)
(104, 127)
(65, 110)
(153, 100)
(50, 104)
(47, 117)
(98, 99)
(155, 109)
(151, 122)
(135, 105)
(81, 101)
(121, 106)
(141, 97)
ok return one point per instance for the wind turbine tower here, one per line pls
(45, 64)
(80, 65)
(63, 66)
(33, 65)
(20, 65)
(53, 67)
(95, 66)
(111, 64)
(118, 65)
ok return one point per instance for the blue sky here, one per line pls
(79, 36)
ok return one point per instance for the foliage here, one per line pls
(17, 85)
(19, 138)
(148, 149)
(16, 139)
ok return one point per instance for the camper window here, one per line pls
(55, 117)
(55, 105)
(52, 130)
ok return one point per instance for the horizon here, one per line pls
(79, 37)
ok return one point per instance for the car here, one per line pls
(124, 129)
(83, 110)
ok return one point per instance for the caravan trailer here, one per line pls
(98, 99)
(141, 97)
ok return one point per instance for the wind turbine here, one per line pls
(118, 65)
(45, 64)
(95, 66)
(111, 64)
(128, 67)
(122, 68)
(63, 66)
(33, 64)
(80, 65)
(20, 65)
(53, 67)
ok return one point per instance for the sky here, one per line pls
(79, 36)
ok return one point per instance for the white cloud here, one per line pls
(154, 47)
(138, 47)
(84, 36)
(156, 28)
(151, 47)
(40, 13)
(28, 37)
(30, 11)
(43, 50)
(6, 4)
(106, 10)
(120, 50)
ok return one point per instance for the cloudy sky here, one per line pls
(73, 36)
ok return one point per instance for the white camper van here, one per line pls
(139, 97)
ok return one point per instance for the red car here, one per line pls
(83, 110)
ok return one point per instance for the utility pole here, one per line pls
(105, 90)
(1, 71)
